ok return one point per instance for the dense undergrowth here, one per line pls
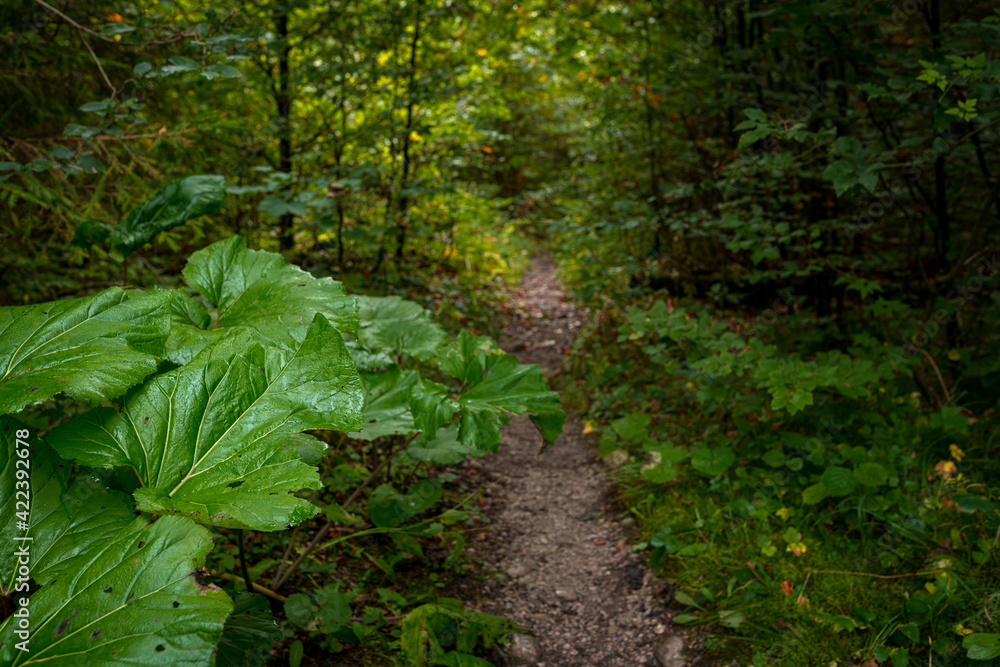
(782, 217)
(810, 506)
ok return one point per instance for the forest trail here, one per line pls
(564, 569)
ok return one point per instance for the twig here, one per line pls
(319, 535)
(72, 22)
(257, 587)
(97, 61)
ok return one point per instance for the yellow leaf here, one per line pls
(956, 453)
(588, 428)
(954, 355)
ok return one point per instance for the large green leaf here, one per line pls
(129, 599)
(495, 383)
(387, 403)
(443, 449)
(402, 327)
(206, 440)
(96, 346)
(255, 289)
(62, 522)
(178, 202)
(108, 579)
(432, 407)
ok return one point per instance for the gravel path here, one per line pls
(570, 576)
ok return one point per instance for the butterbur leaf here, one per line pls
(107, 578)
(206, 439)
(443, 448)
(309, 448)
(254, 289)
(392, 323)
(175, 204)
(105, 594)
(63, 521)
(387, 404)
(432, 407)
(249, 633)
(96, 346)
(497, 383)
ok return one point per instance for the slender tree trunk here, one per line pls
(283, 100)
(404, 200)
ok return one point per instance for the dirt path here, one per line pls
(571, 579)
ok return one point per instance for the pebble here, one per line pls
(567, 594)
(518, 570)
(671, 652)
(524, 650)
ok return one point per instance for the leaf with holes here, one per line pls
(106, 604)
(107, 578)
(181, 200)
(254, 289)
(64, 521)
(95, 347)
(206, 440)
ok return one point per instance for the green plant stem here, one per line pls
(266, 592)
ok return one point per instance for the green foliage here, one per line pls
(96, 347)
(178, 202)
(242, 288)
(214, 435)
(816, 462)
(444, 634)
(203, 439)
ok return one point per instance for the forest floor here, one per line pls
(561, 558)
